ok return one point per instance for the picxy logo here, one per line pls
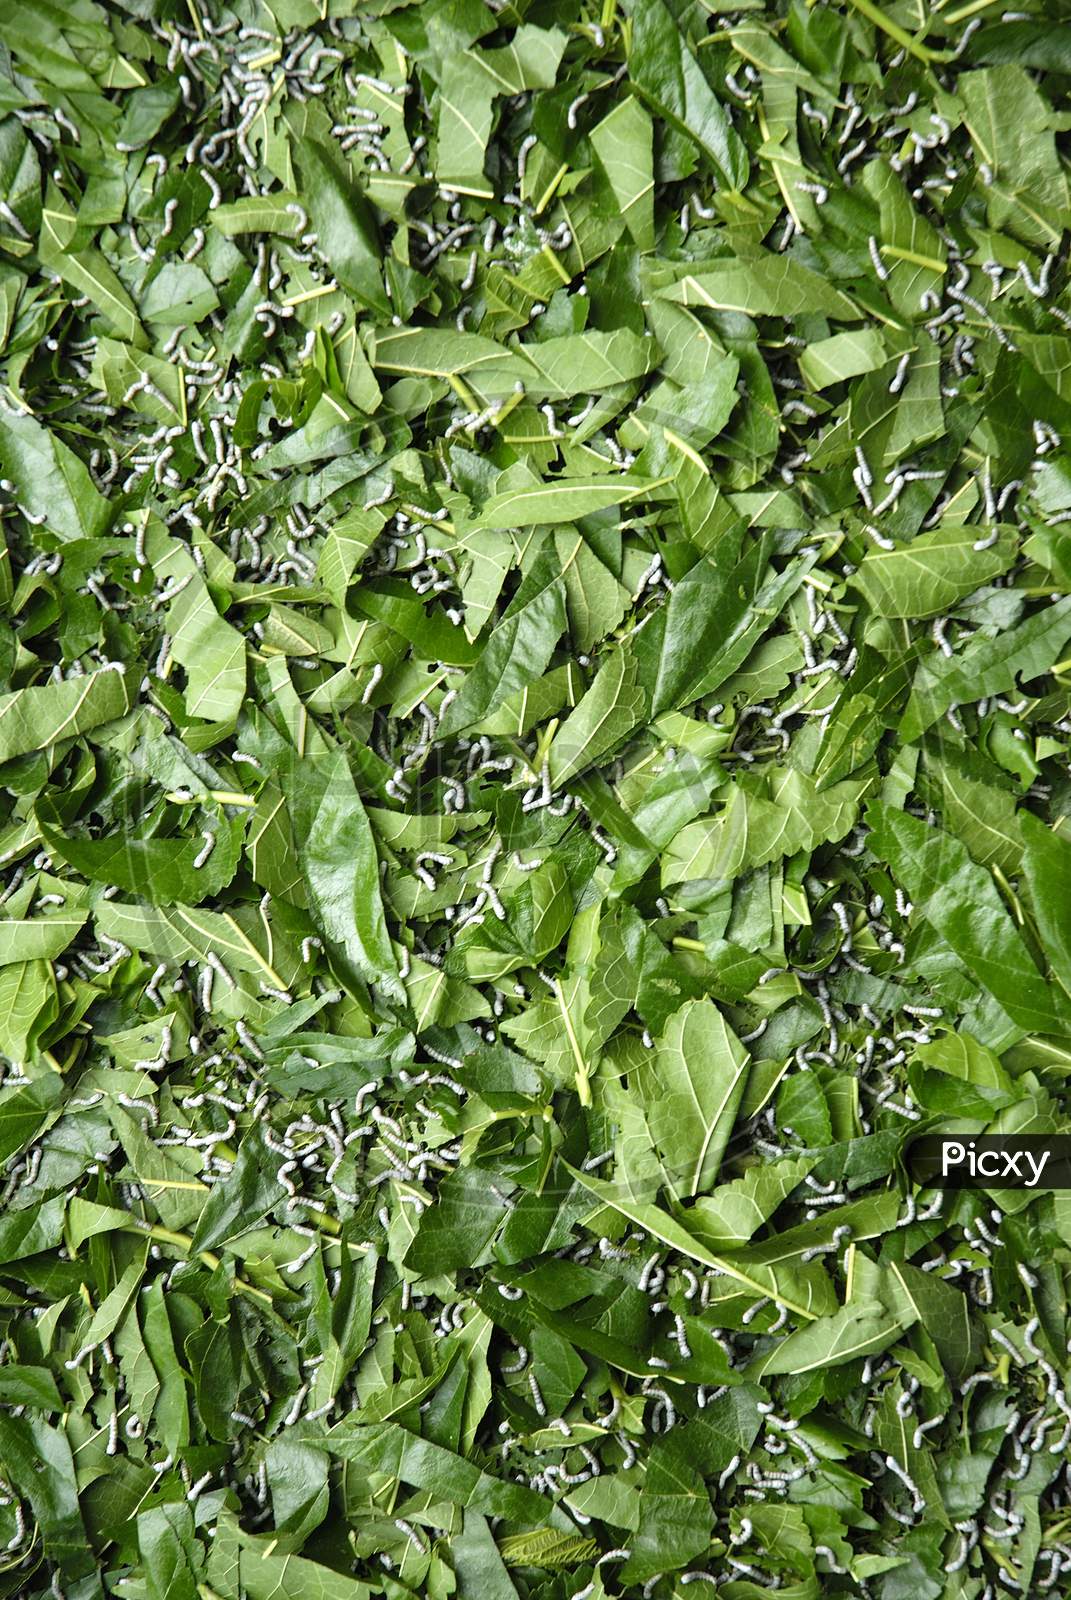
(991, 1161)
(996, 1166)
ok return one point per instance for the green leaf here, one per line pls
(518, 651)
(762, 285)
(861, 1328)
(457, 1229)
(50, 479)
(278, 214)
(986, 666)
(23, 1112)
(712, 621)
(676, 1517)
(35, 718)
(565, 501)
(188, 933)
(163, 871)
(340, 866)
(669, 78)
(267, 1576)
(942, 1309)
(1047, 868)
(931, 573)
(344, 222)
(733, 1211)
(212, 652)
(761, 1282)
(793, 814)
(163, 1548)
(841, 356)
(39, 1457)
(692, 1087)
(32, 939)
(88, 272)
(623, 143)
(389, 1448)
(242, 1200)
(611, 708)
(962, 903)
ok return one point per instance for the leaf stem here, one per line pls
(556, 264)
(914, 257)
(875, 15)
(969, 10)
(1010, 895)
(549, 192)
(183, 1241)
(226, 797)
(583, 1084)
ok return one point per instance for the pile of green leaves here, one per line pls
(535, 627)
